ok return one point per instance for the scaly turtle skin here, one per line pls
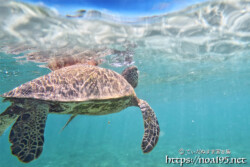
(76, 89)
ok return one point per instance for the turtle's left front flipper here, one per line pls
(27, 133)
(151, 127)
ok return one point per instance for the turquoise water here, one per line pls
(195, 75)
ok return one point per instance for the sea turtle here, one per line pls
(76, 89)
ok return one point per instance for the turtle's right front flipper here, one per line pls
(27, 133)
(151, 127)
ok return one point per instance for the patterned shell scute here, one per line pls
(75, 83)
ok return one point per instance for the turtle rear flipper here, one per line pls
(131, 75)
(8, 117)
(70, 119)
(27, 133)
(151, 127)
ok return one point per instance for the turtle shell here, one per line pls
(75, 83)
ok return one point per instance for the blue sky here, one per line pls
(122, 7)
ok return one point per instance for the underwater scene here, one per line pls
(98, 89)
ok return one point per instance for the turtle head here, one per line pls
(131, 75)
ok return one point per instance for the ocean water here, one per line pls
(194, 72)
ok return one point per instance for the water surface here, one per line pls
(194, 72)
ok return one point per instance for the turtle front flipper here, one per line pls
(27, 133)
(151, 127)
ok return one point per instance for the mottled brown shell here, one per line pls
(75, 83)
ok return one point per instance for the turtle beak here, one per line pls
(138, 72)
